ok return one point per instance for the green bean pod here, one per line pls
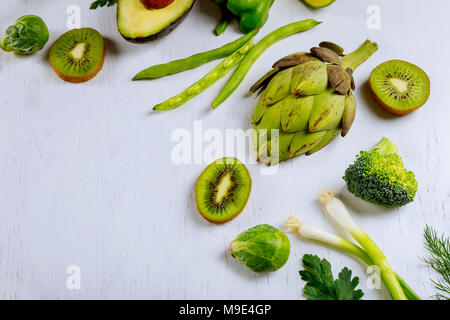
(176, 66)
(256, 52)
(218, 72)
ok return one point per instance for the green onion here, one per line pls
(337, 210)
(310, 232)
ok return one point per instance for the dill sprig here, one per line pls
(439, 260)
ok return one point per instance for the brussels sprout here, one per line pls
(262, 248)
(28, 35)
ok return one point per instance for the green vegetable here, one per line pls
(28, 35)
(222, 26)
(227, 17)
(313, 233)
(399, 87)
(308, 99)
(102, 3)
(318, 4)
(218, 72)
(378, 176)
(251, 14)
(140, 21)
(257, 51)
(262, 248)
(336, 209)
(194, 61)
(320, 284)
(439, 260)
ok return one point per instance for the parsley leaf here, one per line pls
(345, 286)
(102, 3)
(320, 284)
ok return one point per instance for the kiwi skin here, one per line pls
(79, 79)
(222, 221)
(388, 108)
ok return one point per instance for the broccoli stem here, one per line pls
(385, 146)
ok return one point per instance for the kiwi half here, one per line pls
(222, 190)
(78, 55)
(318, 4)
(399, 87)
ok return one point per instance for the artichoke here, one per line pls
(306, 101)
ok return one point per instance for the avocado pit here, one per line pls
(156, 4)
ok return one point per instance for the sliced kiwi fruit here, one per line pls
(222, 190)
(78, 55)
(399, 87)
(318, 4)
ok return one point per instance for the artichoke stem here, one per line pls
(357, 57)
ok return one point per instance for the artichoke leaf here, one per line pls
(295, 113)
(271, 118)
(309, 78)
(305, 141)
(330, 136)
(327, 111)
(339, 79)
(349, 114)
(259, 112)
(278, 88)
(262, 83)
(327, 55)
(295, 59)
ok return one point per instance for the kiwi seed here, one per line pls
(78, 55)
(399, 86)
(222, 190)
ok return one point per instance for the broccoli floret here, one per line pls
(378, 176)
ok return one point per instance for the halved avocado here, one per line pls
(136, 23)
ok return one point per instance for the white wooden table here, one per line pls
(87, 178)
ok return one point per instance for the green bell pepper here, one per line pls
(251, 14)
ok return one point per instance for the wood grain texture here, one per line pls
(87, 177)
